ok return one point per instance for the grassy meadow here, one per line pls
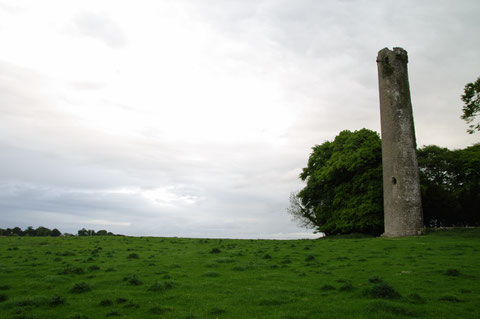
(433, 276)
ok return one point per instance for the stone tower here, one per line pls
(401, 185)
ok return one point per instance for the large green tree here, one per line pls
(343, 192)
(450, 182)
(471, 108)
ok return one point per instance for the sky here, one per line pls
(194, 118)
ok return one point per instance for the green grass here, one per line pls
(433, 276)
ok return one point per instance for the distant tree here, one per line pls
(17, 231)
(343, 192)
(83, 232)
(55, 233)
(102, 232)
(471, 108)
(90, 232)
(42, 231)
(29, 231)
(2, 232)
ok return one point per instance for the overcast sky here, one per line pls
(195, 117)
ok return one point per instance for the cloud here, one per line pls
(101, 27)
(201, 123)
(88, 85)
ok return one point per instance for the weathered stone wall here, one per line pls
(401, 186)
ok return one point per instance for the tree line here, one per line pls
(344, 187)
(46, 232)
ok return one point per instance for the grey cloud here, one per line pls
(100, 26)
(322, 56)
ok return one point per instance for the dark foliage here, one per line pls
(3, 297)
(132, 280)
(106, 303)
(215, 251)
(56, 301)
(471, 108)
(344, 186)
(450, 183)
(382, 290)
(344, 193)
(452, 272)
(80, 288)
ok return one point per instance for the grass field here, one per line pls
(433, 276)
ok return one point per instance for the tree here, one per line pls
(343, 192)
(17, 231)
(29, 231)
(471, 108)
(55, 233)
(42, 231)
(102, 232)
(450, 184)
(83, 232)
(437, 186)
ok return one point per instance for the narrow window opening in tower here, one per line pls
(394, 181)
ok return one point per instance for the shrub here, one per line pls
(57, 300)
(65, 253)
(121, 300)
(327, 287)
(106, 303)
(416, 299)
(93, 268)
(132, 280)
(215, 251)
(5, 287)
(133, 256)
(159, 310)
(375, 279)
(225, 260)
(158, 287)
(217, 311)
(267, 256)
(239, 268)
(382, 290)
(449, 298)
(347, 286)
(72, 270)
(3, 297)
(211, 274)
(31, 301)
(80, 288)
(113, 313)
(309, 258)
(452, 272)
(131, 304)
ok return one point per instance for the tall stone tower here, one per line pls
(401, 185)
